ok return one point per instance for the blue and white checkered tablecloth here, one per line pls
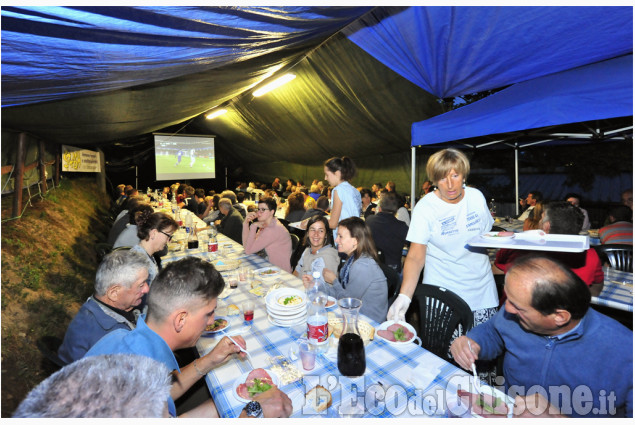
(414, 382)
(617, 291)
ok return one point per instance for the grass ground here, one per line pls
(168, 164)
(48, 269)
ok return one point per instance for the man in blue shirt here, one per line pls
(553, 344)
(181, 305)
(120, 284)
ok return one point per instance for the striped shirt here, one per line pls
(619, 232)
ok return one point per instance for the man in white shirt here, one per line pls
(533, 197)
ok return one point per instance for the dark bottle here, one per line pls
(351, 357)
(192, 240)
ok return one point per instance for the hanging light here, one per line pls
(216, 113)
(274, 84)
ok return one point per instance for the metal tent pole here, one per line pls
(413, 177)
(516, 176)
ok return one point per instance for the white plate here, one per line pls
(213, 333)
(334, 303)
(494, 235)
(286, 324)
(290, 316)
(272, 299)
(384, 326)
(242, 378)
(268, 272)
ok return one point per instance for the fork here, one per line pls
(241, 349)
(477, 382)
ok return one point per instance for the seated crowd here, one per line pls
(140, 312)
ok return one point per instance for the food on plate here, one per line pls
(501, 234)
(269, 272)
(319, 398)
(233, 310)
(396, 333)
(258, 381)
(484, 404)
(217, 325)
(290, 300)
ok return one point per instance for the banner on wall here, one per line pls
(80, 160)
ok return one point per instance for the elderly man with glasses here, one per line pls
(231, 222)
(263, 231)
(120, 284)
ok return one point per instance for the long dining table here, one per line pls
(399, 381)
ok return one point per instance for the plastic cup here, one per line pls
(307, 355)
(242, 274)
(248, 311)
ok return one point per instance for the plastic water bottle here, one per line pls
(492, 208)
(188, 222)
(317, 318)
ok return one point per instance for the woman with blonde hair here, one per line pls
(533, 221)
(442, 223)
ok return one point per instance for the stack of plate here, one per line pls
(286, 307)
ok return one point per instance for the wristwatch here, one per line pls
(253, 409)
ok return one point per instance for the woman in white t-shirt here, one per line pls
(345, 199)
(440, 227)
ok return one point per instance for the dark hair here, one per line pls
(573, 195)
(240, 196)
(564, 218)
(130, 190)
(189, 191)
(295, 202)
(389, 202)
(392, 186)
(139, 207)
(181, 283)
(322, 203)
(215, 200)
(147, 222)
(537, 195)
(621, 213)
(555, 286)
(200, 193)
(344, 165)
(361, 232)
(270, 202)
(366, 191)
(328, 240)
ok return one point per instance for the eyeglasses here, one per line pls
(166, 234)
(263, 209)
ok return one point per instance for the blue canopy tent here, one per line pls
(597, 91)
(566, 64)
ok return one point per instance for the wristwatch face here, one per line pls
(253, 409)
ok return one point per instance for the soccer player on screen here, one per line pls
(179, 154)
(192, 158)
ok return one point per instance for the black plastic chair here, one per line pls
(296, 253)
(440, 313)
(619, 256)
(393, 280)
(48, 346)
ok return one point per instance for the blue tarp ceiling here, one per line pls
(592, 92)
(96, 75)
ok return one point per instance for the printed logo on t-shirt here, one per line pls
(473, 219)
(448, 226)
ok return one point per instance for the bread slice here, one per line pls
(319, 398)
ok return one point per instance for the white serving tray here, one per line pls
(559, 243)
